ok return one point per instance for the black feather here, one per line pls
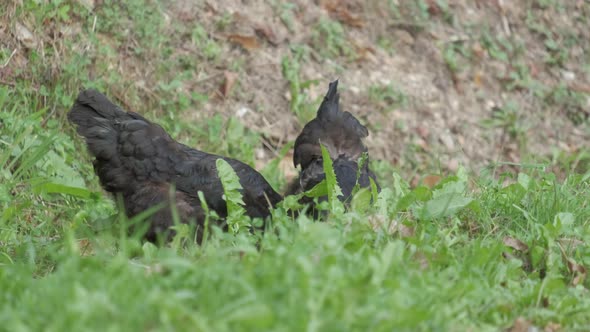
(342, 135)
(139, 160)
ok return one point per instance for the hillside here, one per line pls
(478, 113)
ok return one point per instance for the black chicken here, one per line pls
(140, 161)
(341, 133)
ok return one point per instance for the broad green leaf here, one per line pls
(524, 180)
(374, 190)
(361, 201)
(565, 218)
(236, 214)
(444, 205)
(230, 181)
(384, 201)
(149, 250)
(462, 174)
(364, 158)
(334, 190)
(400, 187)
(564, 222)
(291, 202)
(319, 190)
(450, 187)
(419, 194)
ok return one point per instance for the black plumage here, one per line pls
(342, 135)
(140, 161)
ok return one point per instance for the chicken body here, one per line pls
(342, 134)
(140, 161)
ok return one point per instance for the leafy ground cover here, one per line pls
(490, 237)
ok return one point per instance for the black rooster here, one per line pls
(341, 133)
(138, 160)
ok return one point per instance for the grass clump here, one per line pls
(469, 252)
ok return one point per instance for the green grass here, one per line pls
(475, 252)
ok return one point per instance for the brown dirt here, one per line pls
(442, 124)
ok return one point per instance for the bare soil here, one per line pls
(442, 124)
(510, 61)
